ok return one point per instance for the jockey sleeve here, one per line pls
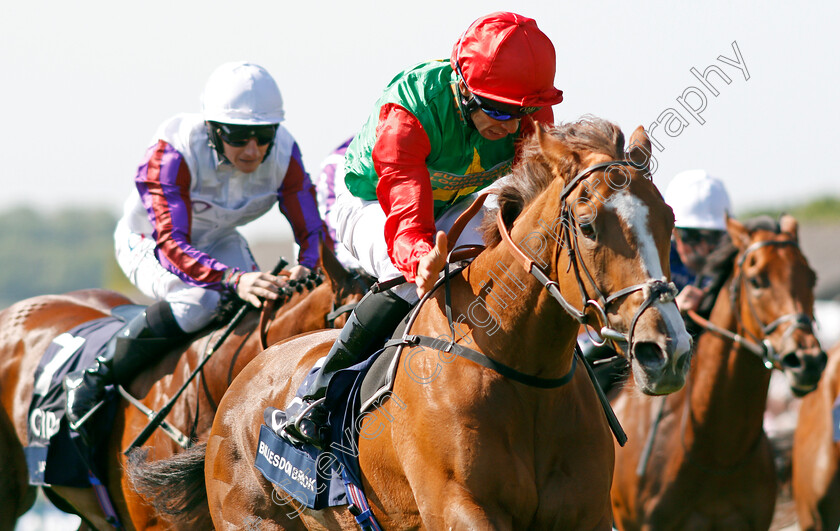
(297, 202)
(404, 189)
(163, 181)
(167, 189)
(418, 155)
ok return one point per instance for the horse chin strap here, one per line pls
(761, 347)
(652, 289)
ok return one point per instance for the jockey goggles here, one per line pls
(698, 236)
(240, 135)
(494, 109)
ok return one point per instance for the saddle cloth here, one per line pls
(55, 455)
(316, 478)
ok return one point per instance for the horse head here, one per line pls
(773, 297)
(607, 241)
(347, 286)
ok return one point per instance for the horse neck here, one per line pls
(728, 387)
(301, 313)
(526, 321)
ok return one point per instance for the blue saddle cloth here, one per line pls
(318, 479)
(55, 455)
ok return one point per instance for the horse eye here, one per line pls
(588, 230)
(758, 281)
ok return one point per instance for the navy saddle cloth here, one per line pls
(316, 478)
(55, 455)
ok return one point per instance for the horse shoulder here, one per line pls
(816, 456)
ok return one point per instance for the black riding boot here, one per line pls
(373, 320)
(144, 340)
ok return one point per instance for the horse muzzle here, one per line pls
(660, 366)
(802, 368)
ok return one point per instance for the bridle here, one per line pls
(760, 346)
(653, 289)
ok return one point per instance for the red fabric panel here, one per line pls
(404, 189)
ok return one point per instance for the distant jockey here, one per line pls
(204, 175)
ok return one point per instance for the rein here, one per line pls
(158, 418)
(270, 306)
(451, 347)
(761, 347)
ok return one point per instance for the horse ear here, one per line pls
(738, 233)
(333, 269)
(553, 150)
(789, 226)
(639, 152)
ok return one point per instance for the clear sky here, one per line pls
(85, 85)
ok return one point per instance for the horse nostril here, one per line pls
(648, 354)
(791, 360)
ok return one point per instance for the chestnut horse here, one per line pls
(816, 454)
(27, 328)
(466, 446)
(699, 458)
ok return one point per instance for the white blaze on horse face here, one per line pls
(634, 214)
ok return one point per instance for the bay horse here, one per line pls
(469, 447)
(27, 327)
(699, 459)
(816, 454)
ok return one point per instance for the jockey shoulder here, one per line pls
(443, 130)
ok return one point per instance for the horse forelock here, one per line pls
(533, 173)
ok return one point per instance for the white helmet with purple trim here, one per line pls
(242, 93)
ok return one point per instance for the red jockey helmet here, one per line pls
(505, 57)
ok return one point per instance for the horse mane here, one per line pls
(532, 173)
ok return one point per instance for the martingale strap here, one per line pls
(468, 353)
(485, 361)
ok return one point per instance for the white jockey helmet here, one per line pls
(242, 93)
(699, 200)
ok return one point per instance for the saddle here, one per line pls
(54, 455)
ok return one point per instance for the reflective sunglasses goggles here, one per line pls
(697, 236)
(240, 135)
(500, 111)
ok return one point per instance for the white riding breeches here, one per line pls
(192, 306)
(360, 227)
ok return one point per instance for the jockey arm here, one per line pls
(296, 200)
(404, 188)
(163, 181)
